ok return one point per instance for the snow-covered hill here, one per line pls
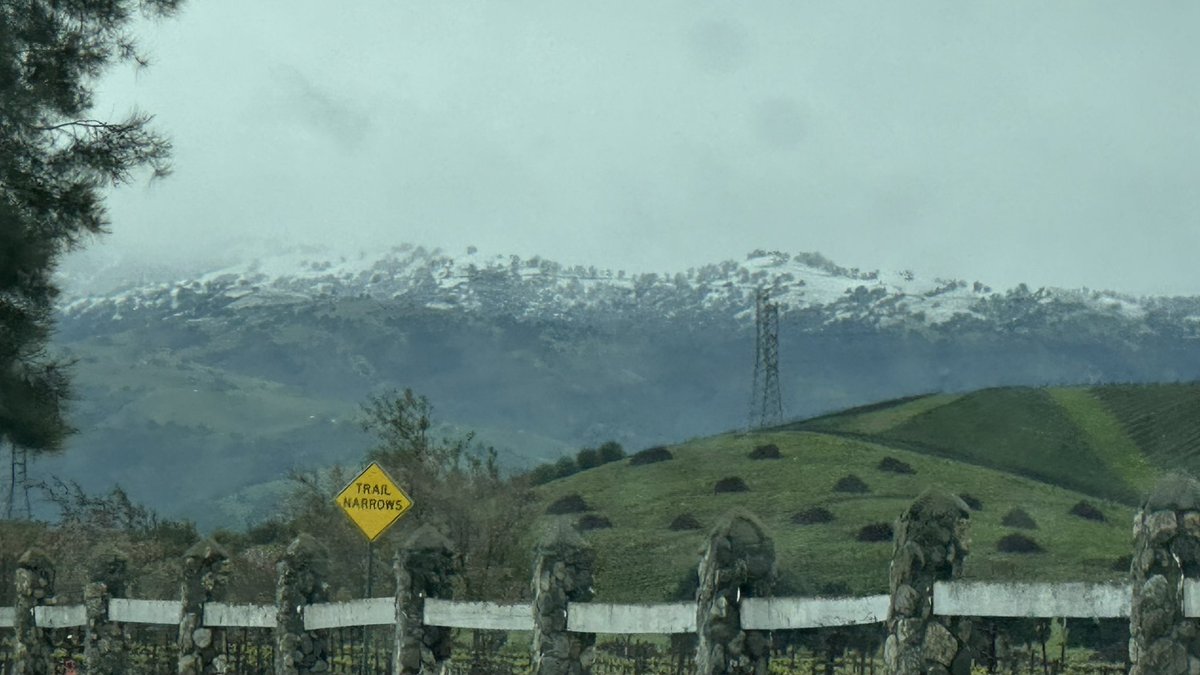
(538, 288)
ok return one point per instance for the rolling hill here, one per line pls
(1042, 450)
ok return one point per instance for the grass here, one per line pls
(639, 559)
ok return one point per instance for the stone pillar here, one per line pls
(104, 649)
(35, 585)
(563, 569)
(1166, 550)
(424, 568)
(205, 578)
(931, 545)
(300, 581)
(738, 561)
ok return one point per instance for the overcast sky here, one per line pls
(1051, 143)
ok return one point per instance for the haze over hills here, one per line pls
(192, 390)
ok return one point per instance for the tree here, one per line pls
(55, 161)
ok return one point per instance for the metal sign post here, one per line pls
(374, 503)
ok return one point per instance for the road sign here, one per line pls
(373, 501)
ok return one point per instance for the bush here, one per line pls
(1123, 563)
(834, 589)
(1017, 543)
(875, 532)
(1018, 518)
(850, 483)
(730, 484)
(564, 467)
(812, 516)
(592, 521)
(768, 451)
(587, 458)
(572, 503)
(893, 465)
(972, 502)
(684, 521)
(651, 455)
(542, 474)
(1087, 511)
(610, 452)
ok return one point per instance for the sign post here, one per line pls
(374, 503)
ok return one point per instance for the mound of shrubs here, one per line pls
(593, 521)
(1017, 543)
(812, 516)
(850, 483)
(875, 532)
(1018, 518)
(768, 451)
(684, 521)
(1087, 511)
(658, 453)
(730, 484)
(893, 465)
(972, 502)
(572, 503)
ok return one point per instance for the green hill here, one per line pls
(1095, 441)
(641, 559)
(1040, 450)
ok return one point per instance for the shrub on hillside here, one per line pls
(593, 521)
(1123, 563)
(587, 458)
(564, 467)
(684, 521)
(610, 451)
(972, 502)
(850, 483)
(1018, 518)
(572, 503)
(1087, 511)
(768, 451)
(893, 465)
(875, 532)
(651, 455)
(1017, 543)
(730, 484)
(542, 474)
(812, 516)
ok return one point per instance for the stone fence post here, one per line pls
(738, 560)
(205, 579)
(931, 545)
(425, 568)
(1166, 550)
(300, 581)
(104, 649)
(35, 585)
(564, 565)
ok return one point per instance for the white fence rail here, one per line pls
(959, 598)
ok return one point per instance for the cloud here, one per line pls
(318, 108)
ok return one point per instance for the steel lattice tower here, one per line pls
(18, 480)
(766, 406)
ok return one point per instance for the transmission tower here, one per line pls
(18, 480)
(766, 406)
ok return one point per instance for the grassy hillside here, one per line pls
(1109, 442)
(641, 559)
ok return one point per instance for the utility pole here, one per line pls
(18, 478)
(766, 405)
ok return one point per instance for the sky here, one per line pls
(1049, 143)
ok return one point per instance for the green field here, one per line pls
(1043, 450)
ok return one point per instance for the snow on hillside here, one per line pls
(540, 287)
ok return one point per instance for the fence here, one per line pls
(927, 614)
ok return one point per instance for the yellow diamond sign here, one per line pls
(373, 501)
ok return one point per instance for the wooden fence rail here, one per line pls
(958, 598)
